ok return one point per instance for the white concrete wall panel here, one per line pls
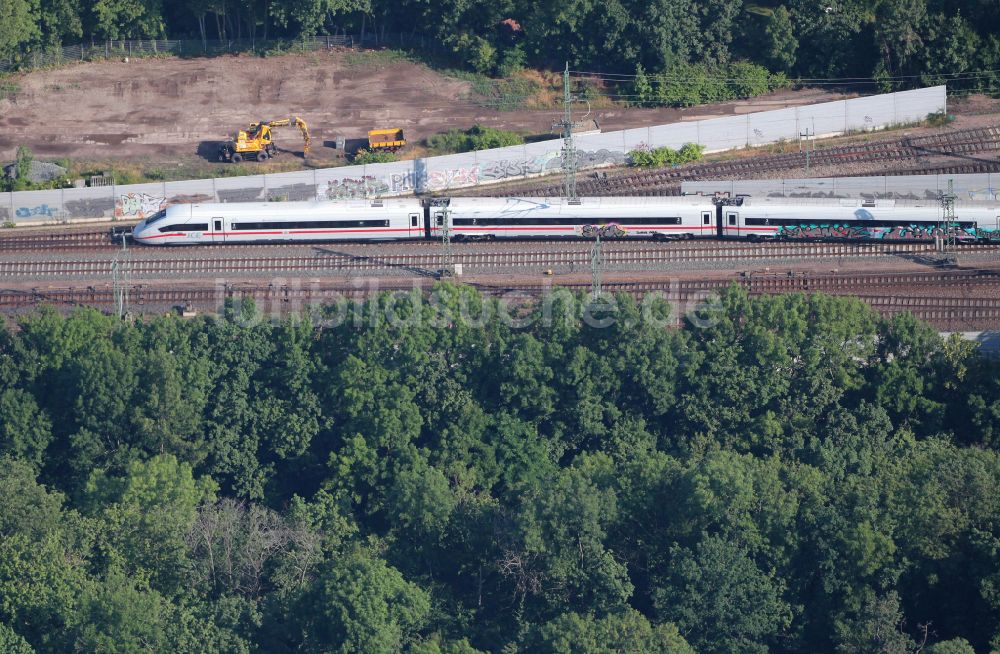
(980, 186)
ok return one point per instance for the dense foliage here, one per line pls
(896, 43)
(476, 137)
(659, 157)
(364, 156)
(787, 474)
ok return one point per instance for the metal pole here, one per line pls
(448, 263)
(568, 150)
(596, 260)
(947, 237)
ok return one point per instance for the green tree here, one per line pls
(129, 19)
(119, 616)
(721, 600)
(22, 165)
(780, 45)
(25, 430)
(358, 603)
(18, 27)
(12, 643)
(625, 633)
(877, 628)
(148, 514)
(30, 510)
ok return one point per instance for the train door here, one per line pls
(731, 226)
(415, 226)
(706, 228)
(437, 223)
(218, 233)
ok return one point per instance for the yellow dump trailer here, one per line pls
(388, 140)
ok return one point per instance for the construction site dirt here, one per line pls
(171, 109)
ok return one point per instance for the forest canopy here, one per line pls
(780, 474)
(880, 44)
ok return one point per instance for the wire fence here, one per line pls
(96, 51)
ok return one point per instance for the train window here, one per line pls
(651, 220)
(706, 218)
(732, 218)
(440, 218)
(413, 219)
(186, 227)
(312, 224)
(157, 217)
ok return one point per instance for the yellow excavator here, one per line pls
(257, 142)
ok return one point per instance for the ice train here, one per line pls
(666, 218)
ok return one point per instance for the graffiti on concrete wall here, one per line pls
(438, 180)
(507, 168)
(862, 232)
(246, 194)
(407, 182)
(351, 188)
(292, 192)
(90, 207)
(454, 177)
(139, 205)
(38, 210)
(989, 194)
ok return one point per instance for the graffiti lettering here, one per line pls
(857, 232)
(505, 168)
(441, 179)
(402, 182)
(40, 210)
(588, 159)
(292, 192)
(987, 193)
(610, 230)
(345, 189)
(90, 208)
(139, 205)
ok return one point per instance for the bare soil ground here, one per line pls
(176, 111)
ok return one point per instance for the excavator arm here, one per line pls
(298, 122)
(301, 124)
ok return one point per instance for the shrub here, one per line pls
(685, 85)
(939, 119)
(512, 62)
(22, 167)
(658, 157)
(373, 157)
(476, 137)
(484, 138)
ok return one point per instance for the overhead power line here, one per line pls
(962, 75)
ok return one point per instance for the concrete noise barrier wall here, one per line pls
(969, 187)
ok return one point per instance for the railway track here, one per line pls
(949, 309)
(62, 240)
(626, 256)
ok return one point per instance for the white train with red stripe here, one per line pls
(261, 222)
(623, 217)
